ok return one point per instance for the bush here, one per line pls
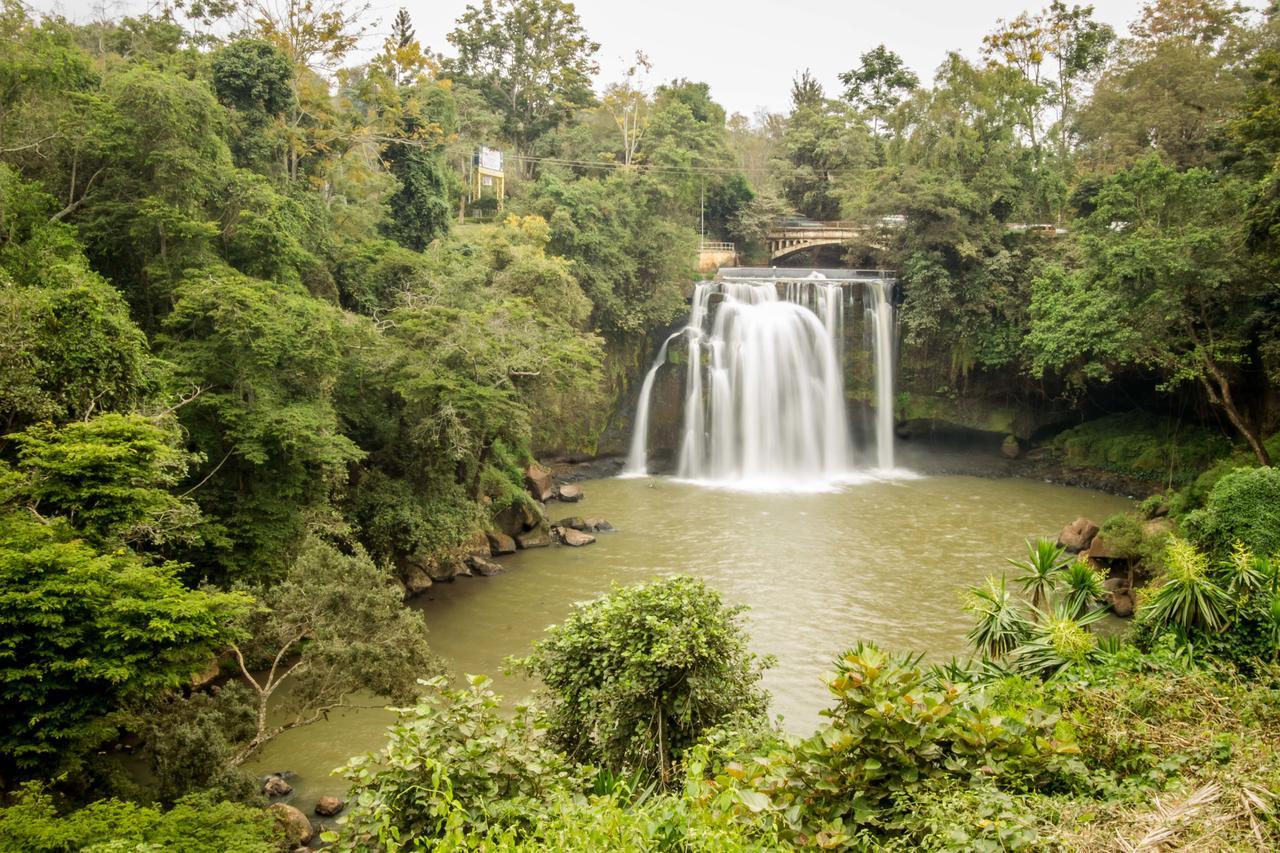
(454, 764)
(1142, 445)
(33, 825)
(635, 678)
(1244, 506)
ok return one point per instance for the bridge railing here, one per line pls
(708, 246)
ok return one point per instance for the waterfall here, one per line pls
(636, 458)
(764, 394)
(881, 311)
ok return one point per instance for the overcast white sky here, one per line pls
(748, 50)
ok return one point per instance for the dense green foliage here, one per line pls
(637, 677)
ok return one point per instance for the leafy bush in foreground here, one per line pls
(637, 677)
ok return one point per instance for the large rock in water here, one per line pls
(538, 537)
(1078, 535)
(538, 481)
(296, 826)
(575, 538)
(417, 582)
(574, 521)
(1122, 604)
(501, 543)
(596, 525)
(570, 493)
(1010, 448)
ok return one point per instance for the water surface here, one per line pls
(880, 560)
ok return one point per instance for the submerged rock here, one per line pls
(575, 538)
(539, 537)
(296, 826)
(575, 522)
(328, 806)
(501, 543)
(1078, 535)
(276, 786)
(570, 493)
(597, 525)
(483, 566)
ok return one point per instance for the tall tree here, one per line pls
(878, 84)
(531, 58)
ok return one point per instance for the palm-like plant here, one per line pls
(1243, 572)
(1189, 597)
(1040, 571)
(1059, 641)
(999, 623)
(1082, 588)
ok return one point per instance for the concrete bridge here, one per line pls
(795, 235)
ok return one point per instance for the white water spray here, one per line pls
(764, 385)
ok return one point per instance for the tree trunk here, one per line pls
(1219, 391)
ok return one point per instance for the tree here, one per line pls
(636, 677)
(822, 139)
(878, 84)
(86, 633)
(110, 477)
(531, 58)
(334, 624)
(628, 105)
(266, 359)
(1164, 285)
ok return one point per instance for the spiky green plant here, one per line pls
(1242, 572)
(1082, 588)
(999, 623)
(1040, 571)
(1058, 641)
(1188, 597)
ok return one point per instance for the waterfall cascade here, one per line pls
(764, 385)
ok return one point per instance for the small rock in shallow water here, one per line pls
(597, 525)
(576, 522)
(483, 566)
(501, 543)
(576, 538)
(275, 786)
(329, 806)
(535, 538)
(571, 493)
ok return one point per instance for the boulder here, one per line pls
(596, 525)
(276, 786)
(538, 481)
(296, 826)
(447, 569)
(1122, 604)
(1114, 585)
(530, 516)
(417, 582)
(501, 543)
(483, 566)
(1077, 535)
(1100, 549)
(538, 537)
(510, 520)
(328, 806)
(575, 538)
(570, 493)
(574, 521)
(1010, 448)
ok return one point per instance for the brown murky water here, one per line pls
(880, 560)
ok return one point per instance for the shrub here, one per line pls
(635, 678)
(1244, 506)
(454, 764)
(32, 825)
(1142, 445)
